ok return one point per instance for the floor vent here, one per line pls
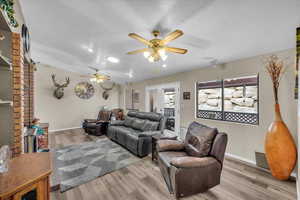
(261, 160)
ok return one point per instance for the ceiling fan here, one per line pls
(97, 77)
(157, 47)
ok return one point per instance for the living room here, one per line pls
(110, 100)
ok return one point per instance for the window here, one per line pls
(234, 100)
(209, 98)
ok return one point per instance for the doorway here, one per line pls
(165, 99)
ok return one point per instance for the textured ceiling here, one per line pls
(75, 34)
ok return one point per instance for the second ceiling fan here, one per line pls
(157, 47)
(97, 77)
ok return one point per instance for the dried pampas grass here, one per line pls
(276, 69)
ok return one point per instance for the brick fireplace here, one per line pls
(23, 90)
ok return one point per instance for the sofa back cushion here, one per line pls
(128, 121)
(199, 139)
(150, 126)
(152, 121)
(138, 124)
(145, 115)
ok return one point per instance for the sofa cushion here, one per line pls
(149, 116)
(199, 140)
(138, 124)
(132, 114)
(167, 156)
(150, 126)
(128, 121)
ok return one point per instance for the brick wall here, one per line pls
(28, 93)
(18, 93)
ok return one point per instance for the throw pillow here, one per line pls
(138, 124)
(199, 140)
(150, 126)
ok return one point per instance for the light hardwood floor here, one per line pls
(143, 181)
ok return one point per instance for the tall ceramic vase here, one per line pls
(280, 148)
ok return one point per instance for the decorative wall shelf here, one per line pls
(6, 103)
(4, 23)
(6, 83)
(4, 62)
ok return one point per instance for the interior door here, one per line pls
(160, 101)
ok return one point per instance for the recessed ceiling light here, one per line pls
(113, 59)
(164, 65)
(90, 50)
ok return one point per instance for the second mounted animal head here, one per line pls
(105, 94)
(59, 91)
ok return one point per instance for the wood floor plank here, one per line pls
(143, 180)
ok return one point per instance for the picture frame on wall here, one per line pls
(186, 95)
(136, 96)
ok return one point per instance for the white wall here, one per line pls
(244, 140)
(69, 111)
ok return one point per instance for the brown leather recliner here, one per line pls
(94, 126)
(195, 165)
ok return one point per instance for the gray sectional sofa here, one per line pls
(134, 133)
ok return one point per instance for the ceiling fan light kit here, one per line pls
(157, 47)
(94, 79)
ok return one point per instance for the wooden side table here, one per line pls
(155, 138)
(27, 177)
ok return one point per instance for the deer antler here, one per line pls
(54, 82)
(66, 83)
(107, 89)
(60, 85)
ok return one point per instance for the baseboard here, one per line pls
(251, 162)
(240, 158)
(63, 129)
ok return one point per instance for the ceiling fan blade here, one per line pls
(93, 68)
(176, 50)
(138, 51)
(172, 36)
(139, 38)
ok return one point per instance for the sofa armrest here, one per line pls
(192, 162)
(149, 133)
(117, 123)
(169, 145)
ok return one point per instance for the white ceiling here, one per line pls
(63, 31)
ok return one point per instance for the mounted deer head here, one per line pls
(105, 94)
(59, 91)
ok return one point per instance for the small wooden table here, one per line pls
(28, 175)
(167, 135)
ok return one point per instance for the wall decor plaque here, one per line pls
(186, 95)
(84, 90)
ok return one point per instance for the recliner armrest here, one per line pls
(191, 162)
(169, 145)
(149, 133)
(90, 120)
(117, 123)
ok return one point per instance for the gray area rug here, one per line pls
(81, 163)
